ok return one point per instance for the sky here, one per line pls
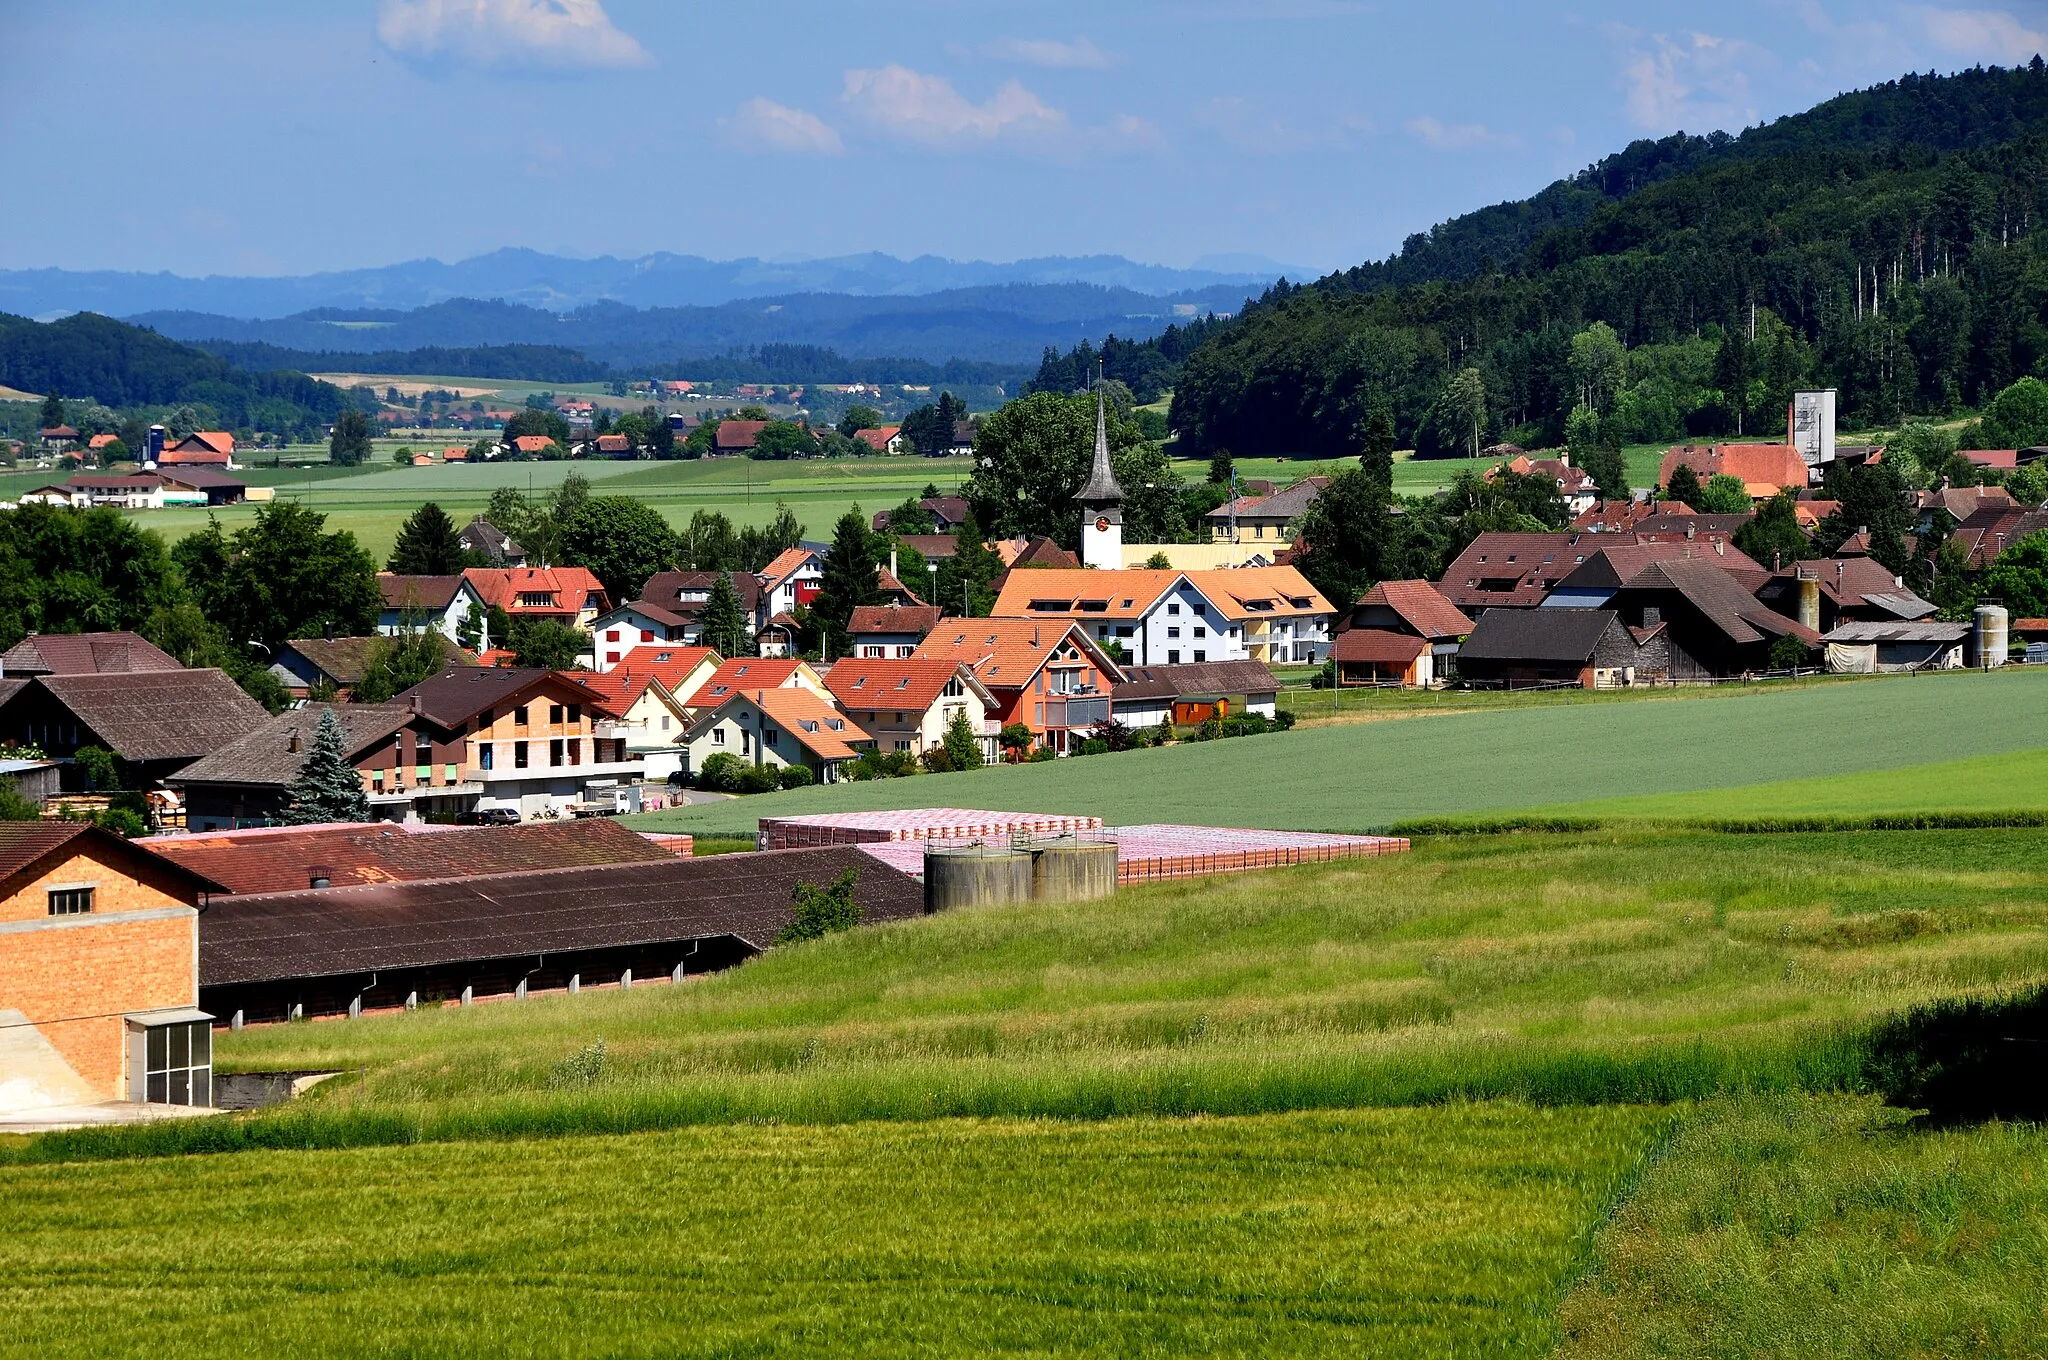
(252, 137)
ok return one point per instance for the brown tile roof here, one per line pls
(323, 932)
(1992, 458)
(1040, 551)
(665, 590)
(1006, 653)
(85, 654)
(1994, 528)
(174, 715)
(1764, 468)
(1382, 646)
(1673, 522)
(1200, 679)
(1739, 615)
(738, 434)
(281, 858)
(25, 844)
(417, 592)
(893, 618)
(614, 443)
(1421, 606)
(265, 755)
(1287, 505)
(1515, 569)
(343, 660)
(1539, 635)
(931, 547)
(1616, 565)
(459, 693)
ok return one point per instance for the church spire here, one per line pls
(1101, 488)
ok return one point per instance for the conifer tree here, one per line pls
(328, 788)
(1376, 441)
(963, 748)
(428, 544)
(966, 579)
(849, 581)
(723, 622)
(1684, 486)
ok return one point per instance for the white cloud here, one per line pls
(921, 108)
(1245, 127)
(1992, 35)
(1439, 136)
(1695, 82)
(1080, 54)
(558, 34)
(764, 125)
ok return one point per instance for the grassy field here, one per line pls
(1571, 748)
(1290, 1235)
(1824, 1229)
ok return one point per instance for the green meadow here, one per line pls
(1722, 750)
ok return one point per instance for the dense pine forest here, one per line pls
(1889, 243)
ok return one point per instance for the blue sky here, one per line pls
(260, 137)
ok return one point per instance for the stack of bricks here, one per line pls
(965, 825)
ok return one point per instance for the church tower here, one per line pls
(1102, 504)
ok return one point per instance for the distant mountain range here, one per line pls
(558, 284)
(1009, 323)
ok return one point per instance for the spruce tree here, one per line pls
(428, 544)
(53, 411)
(963, 748)
(849, 581)
(328, 788)
(723, 622)
(1376, 441)
(1684, 486)
(967, 578)
(1221, 467)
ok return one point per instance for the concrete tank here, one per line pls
(1809, 601)
(975, 876)
(1990, 634)
(1069, 869)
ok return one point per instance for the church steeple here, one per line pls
(1101, 501)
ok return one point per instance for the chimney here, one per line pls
(319, 876)
(892, 561)
(293, 744)
(1720, 547)
(1690, 530)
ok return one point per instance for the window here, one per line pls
(555, 714)
(518, 755)
(1173, 632)
(178, 1064)
(1201, 656)
(647, 635)
(664, 722)
(519, 715)
(903, 651)
(903, 744)
(771, 736)
(1125, 630)
(1173, 658)
(75, 900)
(1201, 632)
(1201, 609)
(718, 736)
(575, 714)
(555, 751)
(611, 635)
(1173, 609)
(483, 755)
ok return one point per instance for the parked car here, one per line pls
(491, 817)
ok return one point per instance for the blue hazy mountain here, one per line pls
(555, 283)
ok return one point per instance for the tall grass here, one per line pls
(1640, 965)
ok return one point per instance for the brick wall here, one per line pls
(75, 976)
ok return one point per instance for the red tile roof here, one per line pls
(24, 844)
(893, 618)
(571, 588)
(1421, 606)
(1006, 653)
(786, 563)
(531, 443)
(736, 435)
(748, 673)
(669, 663)
(1517, 569)
(876, 439)
(871, 682)
(1764, 468)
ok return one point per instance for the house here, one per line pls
(1675, 522)
(1269, 614)
(1514, 570)
(1189, 695)
(1269, 517)
(1590, 648)
(613, 446)
(1404, 631)
(272, 859)
(99, 443)
(882, 439)
(1764, 469)
(247, 781)
(133, 491)
(2005, 460)
(931, 547)
(962, 443)
(737, 436)
(1048, 675)
(201, 448)
(498, 548)
(890, 629)
(567, 595)
(907, 704)
(636, 624)
(416, 603)
(304, 664)
(155, 726)
(674, 600)
(1957, 502)
(455, 455)
(1714, 626)
(776, 728)
(1615, 516)
(780, 636)
(537, 742)
(1606, 570)
(1867, 648)
(753, 673)
(1848, 590)
(85, 654)
(1991, 529)
(948, 514)
(99, 986)
(791, 579)
(1574, 485)
(344, 950)
(58, 438)
(529, 445)
(190, 485)
(651, 698)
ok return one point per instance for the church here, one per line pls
(1101, 503)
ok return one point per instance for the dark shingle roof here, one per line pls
(1196, 679)
(459, 693)
(893, 618)
(328, 931)
(85, 654)
(265, 756)
(417, 592)
(1739, 615)
(171, 715)
(1536, 635)
(343, 660)
(281, 859)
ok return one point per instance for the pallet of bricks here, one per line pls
(1150, 854)
(913, 824)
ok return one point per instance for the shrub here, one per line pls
(822, 911)
(1039, 753)
(721, 773)
(1094, 746)
(96, 763)
(881, 765)
(939, 760)
(759, 779)
(796, 776)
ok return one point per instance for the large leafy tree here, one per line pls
(1356, 534)
(849, 581)
(2018, 416)
(282, 577)
(929, 429)
(67, 571)
(428, 544)
(328, 788)
(622, 539)
(1774, 537)
(858, 418)
(1033, 455)
(394, 665)
(2019, 577)
(1869, 496)
(547, 644)
(349, 445)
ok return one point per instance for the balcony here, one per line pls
(625, 769)
(394, 794)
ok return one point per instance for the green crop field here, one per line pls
(1569, 749)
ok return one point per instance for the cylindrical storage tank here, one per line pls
(1809, 602)
(1991, 634)
(1069, 869)
(975, 876)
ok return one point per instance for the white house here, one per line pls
(441, 603)
(1173, 618)
(653, 723)
(907, 704)
(614, 635)
(776, 728)
(790, 580)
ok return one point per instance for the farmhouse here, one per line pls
(414, 603)
(1591, 648)
(247, 781)
(1514, 570)
(1189, 695)
(85, 654)
(890, 629)
(203, 448)
(1268, 518)
(1400, 630)
(303, 664)
(777, 729)
(1714, 626)
(907, 704)
(156, 726)
(1268, 614)
(1763, 469)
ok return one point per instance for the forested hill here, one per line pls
(1890, 244)
(118, 365)
(1967, 112)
